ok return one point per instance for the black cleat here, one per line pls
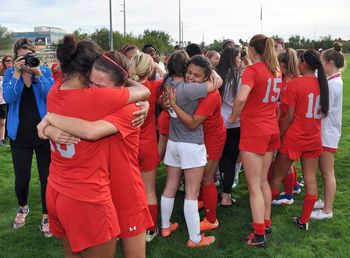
(255, 240)
(302, 226)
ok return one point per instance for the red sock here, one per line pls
(259, 228)
(268, 223)
(308, 206)
(274, 193)
(210, 198)
(288, 184)
(153, 209)
(269, 175)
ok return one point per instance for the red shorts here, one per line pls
(149, 158)
(333, 150)
(260, 144)
(132, 225)
(295, 155)
(215, 145)
(163, 123)
(83, 224)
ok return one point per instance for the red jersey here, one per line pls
(164, 122)
(304, 134)
(258, 117)
(127, 187)
(81, 171)
(210, 107)
(55, 74)
(148, 133)
(283, 107)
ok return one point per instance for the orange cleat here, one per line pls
(206, 225)
(168, 231)
(205, 241)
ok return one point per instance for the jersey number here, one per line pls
(314, 111)
(67, 152)
(275, 89)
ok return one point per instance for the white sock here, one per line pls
(192, 220)
(166, 209)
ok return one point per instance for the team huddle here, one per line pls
(101, 119)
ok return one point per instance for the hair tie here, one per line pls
(116, 64)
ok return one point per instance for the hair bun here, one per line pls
(337, 46)
(67, 48)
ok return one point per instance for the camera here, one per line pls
(31, 60)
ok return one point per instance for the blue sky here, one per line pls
(206, 19)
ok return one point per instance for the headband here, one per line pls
(116, 64)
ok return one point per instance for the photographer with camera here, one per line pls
(25, 88)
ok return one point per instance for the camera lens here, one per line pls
(31, 60)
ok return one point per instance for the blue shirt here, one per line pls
(12, 91)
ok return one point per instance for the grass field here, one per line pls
(329, 238)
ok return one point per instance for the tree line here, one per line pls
(164, 42)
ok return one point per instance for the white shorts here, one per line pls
(185, 155)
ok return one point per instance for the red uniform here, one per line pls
(303, 137)
(213, 126)
(127, 187)
(79, 173)
(259, 127)
(164, 122)
(148, 152)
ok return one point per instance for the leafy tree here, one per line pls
(80, 35)
(6, 39)
(101, 37)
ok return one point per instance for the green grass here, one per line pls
(324, 239)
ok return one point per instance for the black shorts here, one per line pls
(3, 111)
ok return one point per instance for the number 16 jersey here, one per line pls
(304, 134)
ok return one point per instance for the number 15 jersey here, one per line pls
(259, 115)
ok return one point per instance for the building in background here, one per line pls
(45, 40)
(42, 36)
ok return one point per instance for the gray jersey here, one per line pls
(187, 95)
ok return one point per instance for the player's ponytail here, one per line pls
(141, 66)
(77, 57)
(264, 46)
(290, 59)
(312, 59)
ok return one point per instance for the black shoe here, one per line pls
(255, 240)
(302, 226)
(268, 230)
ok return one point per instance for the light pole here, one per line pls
(180, 41)
(110, 26)
(124, 13)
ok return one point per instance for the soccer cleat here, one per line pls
(296, 189)
(205, 241)
(255, 240)
(301, 182)
(320, 215)
(21, 216)
(45, 228)
(302, 226)
(319, 204)
(166, 232)
(206, 225)
(283, 199)
(151, 235)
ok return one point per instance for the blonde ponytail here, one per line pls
(141, 66)
(292, 64)
(270, 58)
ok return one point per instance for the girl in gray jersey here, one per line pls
(185, 151)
